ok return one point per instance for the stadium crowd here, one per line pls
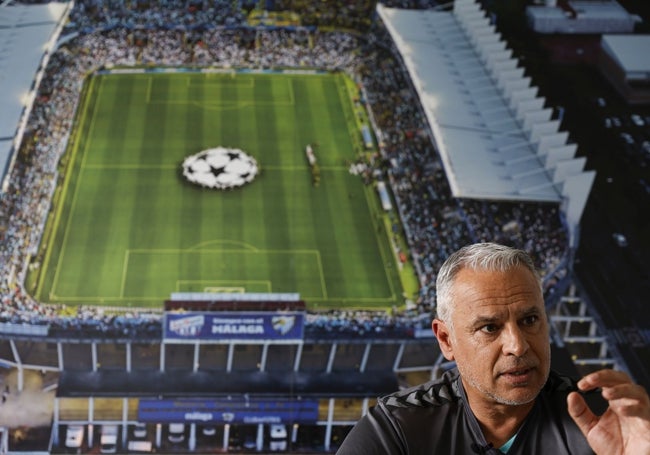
(103, 33)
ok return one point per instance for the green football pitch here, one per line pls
(128, 230)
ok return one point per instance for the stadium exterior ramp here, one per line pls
(496, 138)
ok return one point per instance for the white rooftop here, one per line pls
(25, 31)
(581, 16)
(485, 152)
(631, 51)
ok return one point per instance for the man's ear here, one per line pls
(443, 335)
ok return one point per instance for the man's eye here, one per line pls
(489, 328)
(530, 320)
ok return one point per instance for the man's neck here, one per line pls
(498, 422)
(498, 428)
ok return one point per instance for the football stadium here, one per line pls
(222, 220)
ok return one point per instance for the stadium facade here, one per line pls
(237, 368)
(315, 379)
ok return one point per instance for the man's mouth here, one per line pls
(517, 376)
(517, 372)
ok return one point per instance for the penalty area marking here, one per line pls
(228, 286)
(225, 289)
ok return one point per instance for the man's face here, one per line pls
(499, 336)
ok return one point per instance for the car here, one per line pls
(637, 120)
(140, 430)
(74, 436)
(209, 431)
(176, 433)
(140, 446)
(250, 443)
(645, 146)
(620, 239)
(277, 437)
(108, 439)
(627, 138)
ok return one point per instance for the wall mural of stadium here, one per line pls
(179, 187)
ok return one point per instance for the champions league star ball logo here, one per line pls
(220, 168)
(283, 324)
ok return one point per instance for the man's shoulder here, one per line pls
(438, 392)
(445, 390)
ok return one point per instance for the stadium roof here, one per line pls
(25, 31)
(495, 137)
(213, 383)
(581, 17)
(631, 53)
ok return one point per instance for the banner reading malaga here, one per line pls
(245, 325)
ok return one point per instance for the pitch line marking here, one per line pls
(244, 245)
(130, 166)
(73, 204)
(125, 268)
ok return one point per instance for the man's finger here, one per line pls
(603, 378)
(628, 400)
(632, 391)
(580, 413)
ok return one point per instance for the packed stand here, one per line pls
(435, 223)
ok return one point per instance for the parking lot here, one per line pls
(178, 438)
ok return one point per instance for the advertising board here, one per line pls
(248, 325)
(228, 411)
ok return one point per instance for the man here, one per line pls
(502, 396)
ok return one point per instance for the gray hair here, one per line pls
(479, 256)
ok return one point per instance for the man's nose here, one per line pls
(514, 341)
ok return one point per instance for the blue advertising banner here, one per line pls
(285, 326)
(228, 411)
